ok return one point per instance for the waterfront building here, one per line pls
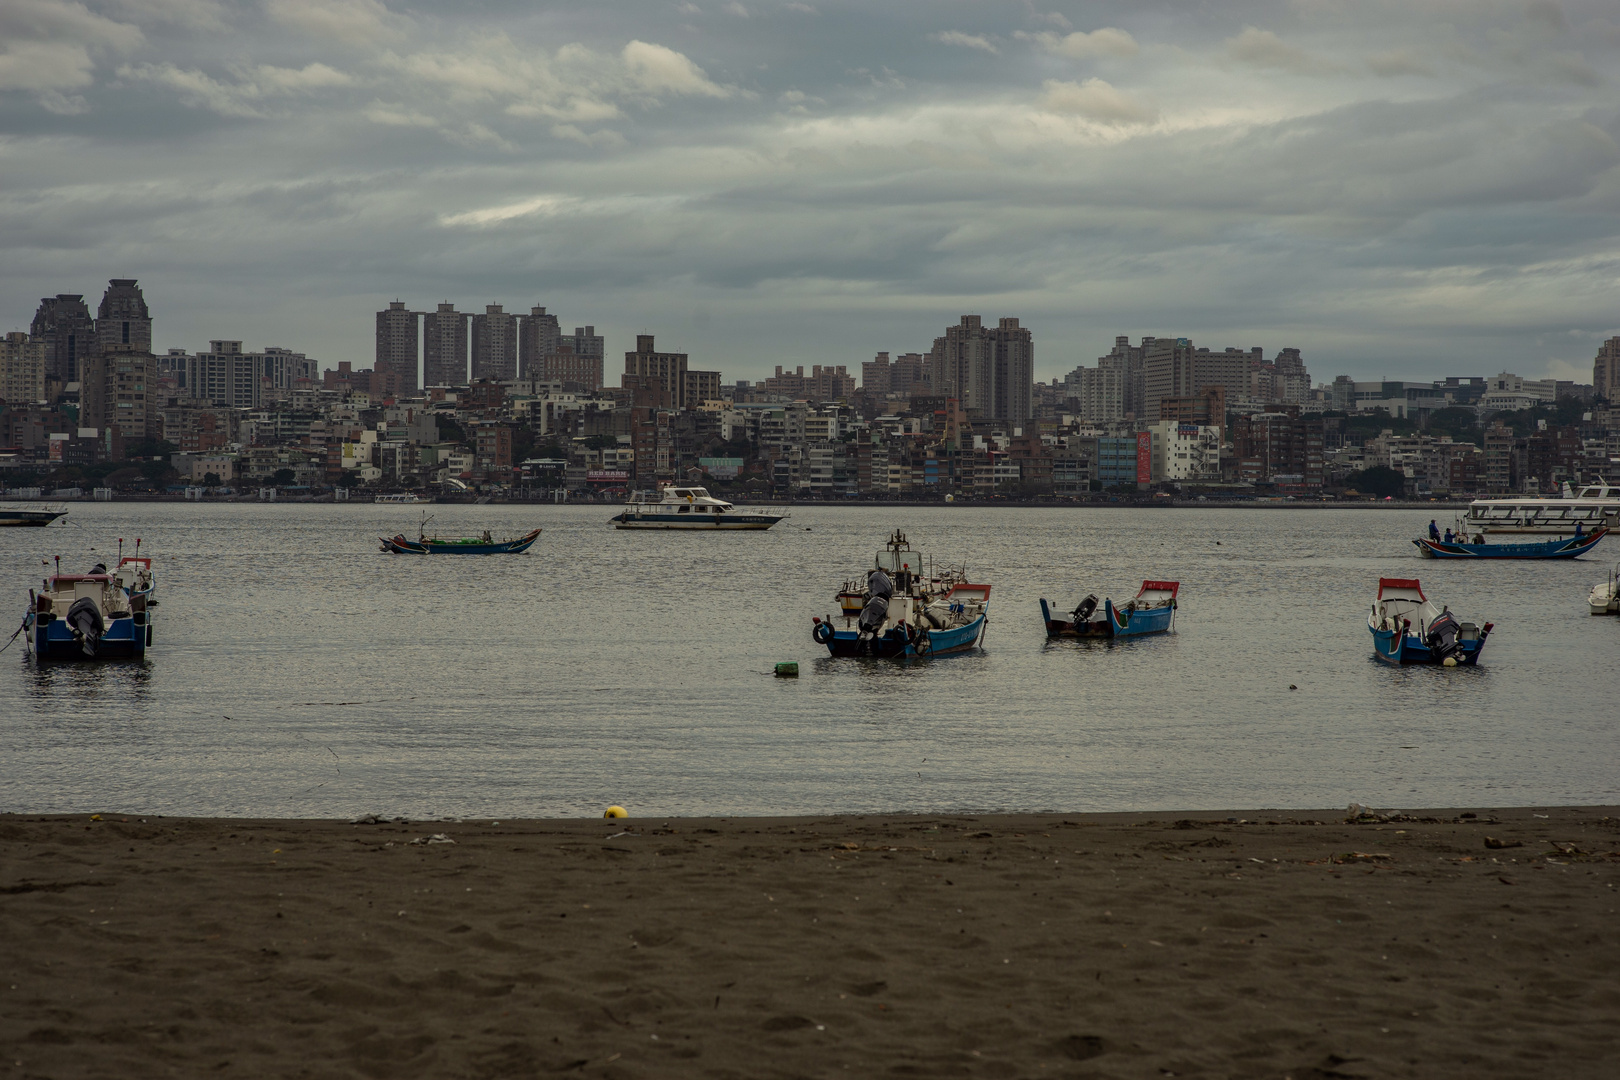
(398, 345)
(444, 347)
(22, 370)
(64, 324)
(538, 337)
(494, 344)
(123, 318)
(1606, 371)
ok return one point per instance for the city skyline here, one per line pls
(1394, 190)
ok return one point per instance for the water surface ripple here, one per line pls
(299, 672)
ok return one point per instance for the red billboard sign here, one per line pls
(1144, 457)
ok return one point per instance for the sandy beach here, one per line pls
(1466, 943)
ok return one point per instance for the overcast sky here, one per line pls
(1408, 188)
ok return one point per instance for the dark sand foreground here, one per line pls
(1284, 945)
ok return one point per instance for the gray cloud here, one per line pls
(1388, 186)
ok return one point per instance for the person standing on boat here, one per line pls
(1578, 532)
(878, 590)
(1434, 530)
(1448, 535)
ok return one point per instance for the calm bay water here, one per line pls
(297, 671)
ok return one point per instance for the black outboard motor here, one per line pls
(99, 568)
(84, 617)
(1442, 637)
(875, 610)
(1083, 612)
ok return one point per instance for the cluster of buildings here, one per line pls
(503, 401)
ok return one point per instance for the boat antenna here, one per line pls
(120, 549)
(137, 546)
(59, 564)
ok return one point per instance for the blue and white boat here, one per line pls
(687, 507)
(1408, 629)
(1151, 611)
(927, 614)
(87, 617)
(1571, 548)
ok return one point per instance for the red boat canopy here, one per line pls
(1396, 583)
(1171, 587)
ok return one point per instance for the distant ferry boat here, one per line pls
(22, 516)
(407, 498)
(689, 508)
(1596, 505)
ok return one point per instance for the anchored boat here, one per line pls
(1408, 629)
(469, 545)
(1151, 611)
(87, 617)
(23, 516)
(1572, 548)
(1605, 597)
(907, 609)
(678, 507)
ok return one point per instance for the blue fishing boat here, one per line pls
(907, 610)
(1151, 611)
(1566, 548)
(1408, 629)
(86, 617)
(472, 545)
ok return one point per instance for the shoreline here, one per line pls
(1132, 944)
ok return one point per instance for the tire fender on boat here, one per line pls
(822, 632)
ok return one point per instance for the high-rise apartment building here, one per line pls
(1606, 371)
(398, 344)
(224, 375)
(494, 344)
(586, 342)
(64, 324)
(563, 364)
(1167, 371)
(538, 337)
(875, 375)
(658, 372)
(444, 347)
(1013, 372)
(22, 370)
(1236, 371)
(117, 389)
(122, 319)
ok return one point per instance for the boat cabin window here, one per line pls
(684, 510)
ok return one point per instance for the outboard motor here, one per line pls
(99, 568)
(84, 618)
(1083, 612)
(1442, 637)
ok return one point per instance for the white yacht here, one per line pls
(1594, 505)
(683, 507)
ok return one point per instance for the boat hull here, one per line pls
(398, 545)
(125, 639)
(895, 645)
(1571, 548)
(1397, 647)
(28, 518)
(1113, 624)
(694, 522)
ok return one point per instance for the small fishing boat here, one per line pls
(23, 516)
(915, 612)
(1151, 611)
(1408, 629)
(1605, 598)
(685, 507)
(1570, 548)
(467, 545)
(86, 617)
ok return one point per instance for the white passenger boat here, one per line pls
(407, 498)
(1605, 598)
(1593, 506)
(685, 507)
(24, 516)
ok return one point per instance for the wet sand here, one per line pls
(1238, 944)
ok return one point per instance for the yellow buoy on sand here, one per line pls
(615, 811)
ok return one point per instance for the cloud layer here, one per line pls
(1400, 189)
